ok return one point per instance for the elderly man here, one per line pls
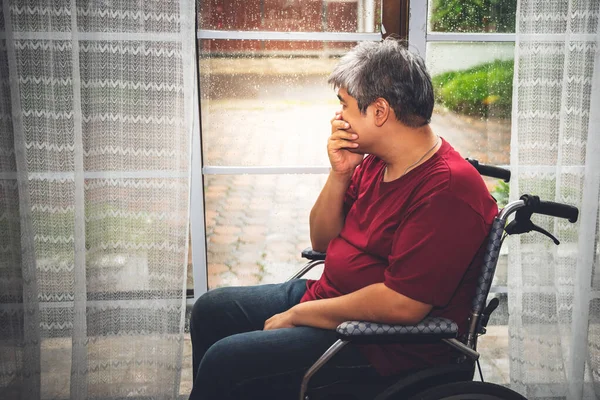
(403, 227)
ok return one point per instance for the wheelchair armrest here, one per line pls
(310, 254)
(429, 330)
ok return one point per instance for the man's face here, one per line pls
(359, 122)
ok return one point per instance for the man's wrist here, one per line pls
(294, 314)
(342, 177)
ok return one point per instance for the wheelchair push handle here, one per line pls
(529, 205)
(490, 170)
(557, 210)
(533, 205)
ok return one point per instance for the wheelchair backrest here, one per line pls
(490, 260)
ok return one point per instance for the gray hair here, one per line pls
(388, 70)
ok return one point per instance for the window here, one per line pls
(265, 108)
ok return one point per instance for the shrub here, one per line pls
(473, 15)
(484, 90)
(501, 193)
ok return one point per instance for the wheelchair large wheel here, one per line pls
(468, 391)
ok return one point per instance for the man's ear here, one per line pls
(382, 111)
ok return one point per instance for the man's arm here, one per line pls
(426, 264)
(327, 215)
(376, 303)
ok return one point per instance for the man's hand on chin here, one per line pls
(279, 321)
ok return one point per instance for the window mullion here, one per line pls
(417, 28)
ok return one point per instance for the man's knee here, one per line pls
(208, 303)
(222, 365)
(245, 367)
(219, 357)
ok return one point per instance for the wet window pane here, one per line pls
(290, 15)
(472, 16)
(268, 111)
(473, 89)
(257, 225)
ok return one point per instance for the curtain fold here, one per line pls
(554, 292)
(96, 118)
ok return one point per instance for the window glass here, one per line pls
(472, 16)
(267, 103)
(267, 111)
(473, 90)
(257, 225)
(290, 15)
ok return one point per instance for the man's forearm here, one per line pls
(327, 215)
(375, 303)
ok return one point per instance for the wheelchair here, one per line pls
(445, 382)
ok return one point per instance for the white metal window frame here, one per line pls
(418, 35)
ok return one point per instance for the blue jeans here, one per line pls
(233, 358)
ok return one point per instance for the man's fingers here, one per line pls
(344, 144)
(339, 124)
(340, 138)
(340, 143)
(344, 135)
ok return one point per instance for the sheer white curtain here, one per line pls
(554, 291)
(96, 113)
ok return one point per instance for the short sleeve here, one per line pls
(352, 191)
(433, 248)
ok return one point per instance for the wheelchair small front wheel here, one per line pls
(468, 391)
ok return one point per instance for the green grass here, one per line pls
(482, 91)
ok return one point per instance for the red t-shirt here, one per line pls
(422, 235)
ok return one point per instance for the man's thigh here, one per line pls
(271, 364)
(231, 310)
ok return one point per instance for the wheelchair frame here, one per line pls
(431, 330)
